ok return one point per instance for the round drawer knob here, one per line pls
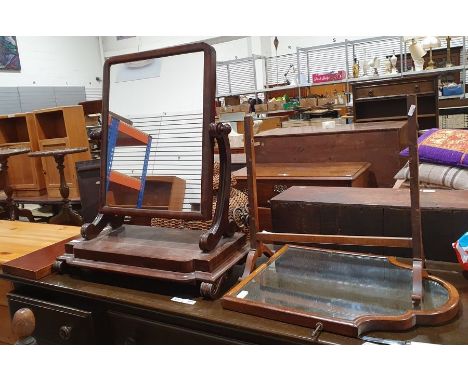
(65, 332)
(371, 93)
(23, 325)
(416, 87)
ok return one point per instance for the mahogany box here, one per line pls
(374, 212)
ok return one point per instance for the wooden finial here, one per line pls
(23, 325)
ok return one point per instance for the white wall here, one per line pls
(56, 61)
(112, 47)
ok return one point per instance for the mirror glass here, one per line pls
(154, 153)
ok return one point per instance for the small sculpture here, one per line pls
(393, 62)
(388, 66)
(355, 68)
(374, 64)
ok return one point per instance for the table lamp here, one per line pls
(430, 42)
(449, 57)
(417, 54)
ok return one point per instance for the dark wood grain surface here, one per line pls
(155, 298)
(439, 199)
(349, 128)
(309, 171)
(8, 152)
(378, 143)
(377, 212)
(48, 153)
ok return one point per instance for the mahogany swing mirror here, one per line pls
(157, 159)
(342, 292)
(157, 111)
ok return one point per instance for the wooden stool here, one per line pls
(12, 209)
(66, 216)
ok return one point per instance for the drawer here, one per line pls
(56, 324)
(395, 89)
(131, 330)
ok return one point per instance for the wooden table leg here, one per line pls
(66, 216)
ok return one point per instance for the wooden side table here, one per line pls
(66, 216)
(12, 209)
(274, 178)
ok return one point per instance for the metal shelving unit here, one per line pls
(326, 58)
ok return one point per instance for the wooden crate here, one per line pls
(308, 102)
(261, 108)
(275, 105)
(270, 123)
(242, 108)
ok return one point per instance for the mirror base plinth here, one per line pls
(159, 253)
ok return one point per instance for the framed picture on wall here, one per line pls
(9, 56)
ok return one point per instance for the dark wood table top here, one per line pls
(435, 199)
(306, 171)
(349, 128)
(8, 152)
(159, 299)
(43, 199)
(58, 152)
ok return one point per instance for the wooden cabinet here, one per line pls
(25, 174)
(274, 178)
(378, 143)
(385, 100)
(59, 128)
(121, 310)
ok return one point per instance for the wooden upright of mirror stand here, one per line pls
(336, 291)
(202, 258)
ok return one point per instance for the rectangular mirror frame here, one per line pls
(209, 93)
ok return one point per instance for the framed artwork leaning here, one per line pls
(9, 55)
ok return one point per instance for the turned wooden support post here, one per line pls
(23, 325)
(64, 189)
(416, 229)
(66, 216)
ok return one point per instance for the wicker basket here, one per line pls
(237, 200)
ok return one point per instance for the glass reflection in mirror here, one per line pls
(154, 153)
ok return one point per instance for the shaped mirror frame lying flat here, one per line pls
(209, 93)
